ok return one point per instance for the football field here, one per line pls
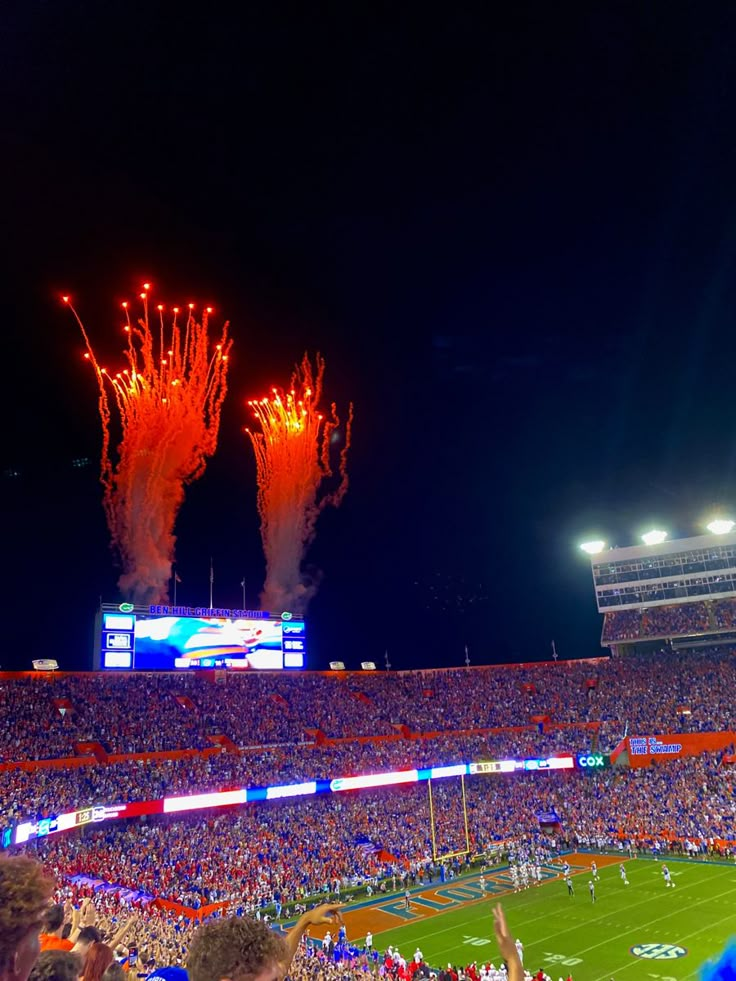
(640, 931)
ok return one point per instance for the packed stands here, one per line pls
(250, 857)
(252, 853)
(621, 625)
(49, 791)
(672, 621)
(724, 613)
(645, 694)
(124, 713)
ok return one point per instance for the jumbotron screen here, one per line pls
(160, 638)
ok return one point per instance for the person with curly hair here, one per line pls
(25, 893)
(244, 949)
(57, 965)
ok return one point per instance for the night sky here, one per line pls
(511, 233)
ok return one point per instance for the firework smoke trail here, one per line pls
(168, 400)
(293, 463)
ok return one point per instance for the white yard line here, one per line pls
(682, 942)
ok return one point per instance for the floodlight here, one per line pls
(368, 665)
(337, 665)
(721, 526)
(654, 537)
(593, 548)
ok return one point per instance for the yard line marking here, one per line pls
(495, 897)
(519, 907)
(644, 902)
(708, 926)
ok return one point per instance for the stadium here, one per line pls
(163, 799)
(330, 333)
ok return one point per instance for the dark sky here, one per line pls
(510, 230)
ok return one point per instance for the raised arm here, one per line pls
(328, 913)
(506, 945)
(123, 932)
(79, 919)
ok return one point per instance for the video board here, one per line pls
(161, 638)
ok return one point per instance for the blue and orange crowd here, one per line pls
(670, 621)
(143, 713)
(250, 858)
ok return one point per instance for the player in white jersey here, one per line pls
(482, 884)
(515, 877)
(538, 874)
(594, 870)
(519, 949)
(622, 873)
(525, 875)
(667, 877)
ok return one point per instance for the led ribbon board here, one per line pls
(228, 798)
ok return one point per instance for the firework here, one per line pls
(292, 453)
(167, 401)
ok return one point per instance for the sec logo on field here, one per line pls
(658, 952)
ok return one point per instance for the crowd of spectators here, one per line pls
(250, 858)
(724, 613)
(135, 713)
(621, 625)
(251, 855)
(43, 717)
(62, 936)
(677, 620)
(50, 791)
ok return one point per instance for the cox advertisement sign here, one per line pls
(592, 761)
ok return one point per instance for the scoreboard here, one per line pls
(176, 638)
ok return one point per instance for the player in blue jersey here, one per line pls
(667, 877)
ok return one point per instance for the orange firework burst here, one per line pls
(168, 400)
(293, 463)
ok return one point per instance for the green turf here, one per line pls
(564, 934)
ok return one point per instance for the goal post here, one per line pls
(437, 855)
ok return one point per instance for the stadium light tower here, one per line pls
(593, 548)
(654, 537)
(721, 526)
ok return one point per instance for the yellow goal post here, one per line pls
(433, 825)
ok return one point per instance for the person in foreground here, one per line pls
(724, 969)
(242, 949)
(57, 965)
(506, 945)
(24, 900)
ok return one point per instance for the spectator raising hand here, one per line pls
(506, 945)
(327, 913)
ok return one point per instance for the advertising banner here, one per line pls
(644, 750)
